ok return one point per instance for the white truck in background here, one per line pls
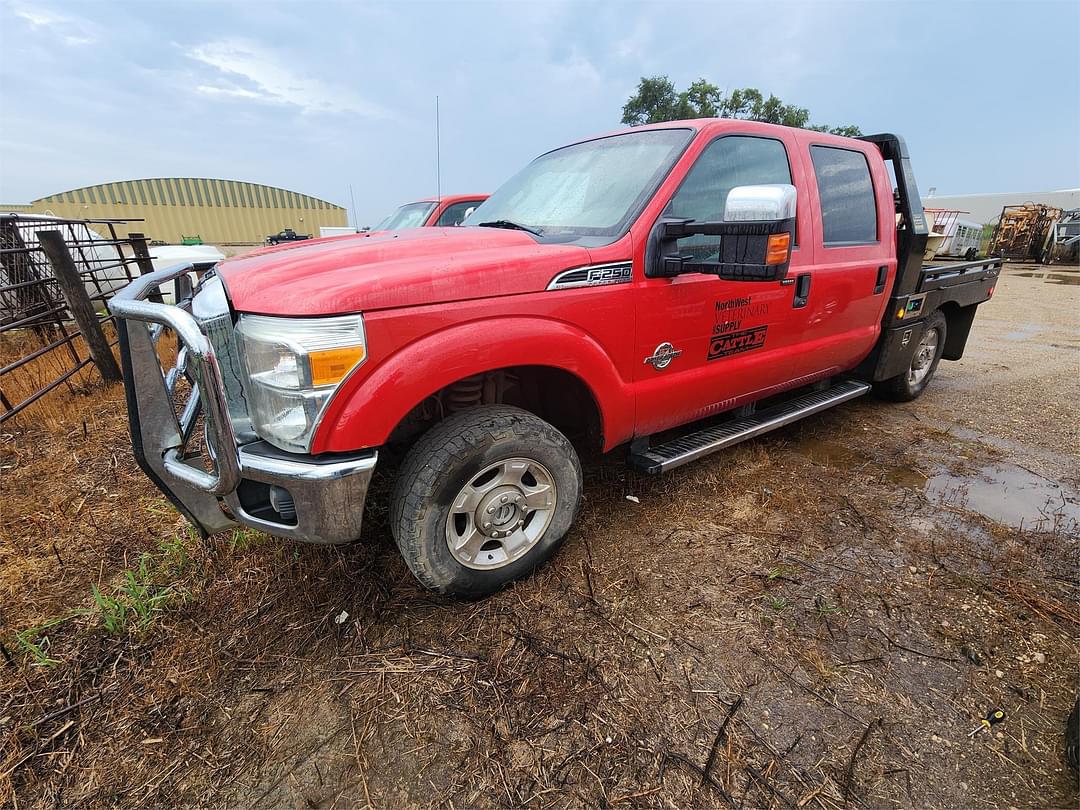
(335, 230)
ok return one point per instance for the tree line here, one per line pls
(658, 100)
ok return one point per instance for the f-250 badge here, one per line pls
(662, 356)
(737, 342)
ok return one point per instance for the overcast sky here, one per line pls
(313, 96)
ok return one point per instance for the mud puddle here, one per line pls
(828, 453)
(1008, 494)
(1053, 278)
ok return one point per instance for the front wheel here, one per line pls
(910, 384)
(483, 498)
(971, 254)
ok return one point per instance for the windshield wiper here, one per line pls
(512, 226)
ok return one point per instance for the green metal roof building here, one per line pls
(221, 212)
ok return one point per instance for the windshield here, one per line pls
(588, 189)
(410, 215)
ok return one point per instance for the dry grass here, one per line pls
(768, 629)
(23, 382)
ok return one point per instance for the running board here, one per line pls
(684, 449)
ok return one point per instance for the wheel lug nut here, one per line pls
(491, 510)
(503, 499)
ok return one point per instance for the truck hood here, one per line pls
(393, 269)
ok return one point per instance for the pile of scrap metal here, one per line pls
(1024, 232)
(1065, 242)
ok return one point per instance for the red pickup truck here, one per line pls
(434, 212)
(667, 289)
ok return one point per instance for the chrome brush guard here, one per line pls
(324, 494)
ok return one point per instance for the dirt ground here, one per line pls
(818, 618)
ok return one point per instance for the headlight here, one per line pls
(292, 367)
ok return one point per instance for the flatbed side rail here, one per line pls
(945, 275)
(158, 432)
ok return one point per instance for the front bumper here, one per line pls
(317, 499)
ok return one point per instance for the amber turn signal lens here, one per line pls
(900, 313)
(329, 366)
(777, 250)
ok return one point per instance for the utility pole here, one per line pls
(438, 154)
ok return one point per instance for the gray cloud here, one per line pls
(267, 77)
(318, 96)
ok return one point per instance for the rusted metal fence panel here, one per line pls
(42, 344)
(1024, 232)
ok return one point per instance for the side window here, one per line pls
(456, 213)
(727, 162)
(734, 160)
(848, 207)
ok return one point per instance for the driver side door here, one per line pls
(707, 344)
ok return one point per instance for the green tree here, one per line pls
(657, 100)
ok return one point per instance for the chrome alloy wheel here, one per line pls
(923, 360)
(501, 513)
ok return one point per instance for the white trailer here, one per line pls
(334, 230)
(962, 240)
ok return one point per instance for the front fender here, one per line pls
(366, 409)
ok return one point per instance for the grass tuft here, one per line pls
(139, 598)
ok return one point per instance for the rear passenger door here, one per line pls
(853, 247)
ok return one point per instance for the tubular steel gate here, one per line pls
(56, 276)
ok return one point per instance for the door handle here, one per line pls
(802, 291)
(882, 276)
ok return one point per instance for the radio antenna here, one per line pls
(438, 154)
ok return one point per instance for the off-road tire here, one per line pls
(1072, 737)
(447, 457)
(900, 388)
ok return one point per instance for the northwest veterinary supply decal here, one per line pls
(734, 331)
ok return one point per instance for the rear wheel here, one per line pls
(971, 254)
(483, 498)
(911, 383)
(1072, 737)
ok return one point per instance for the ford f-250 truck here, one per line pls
(671, 289)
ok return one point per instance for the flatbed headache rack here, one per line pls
(920, 289)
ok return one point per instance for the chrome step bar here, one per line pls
(684, 449)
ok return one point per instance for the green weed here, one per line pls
(825, 607)
(243, 539)
(778, 603)
(34, 642)
(113, 612)
(159, 506)
(138, 599)
(175, 558)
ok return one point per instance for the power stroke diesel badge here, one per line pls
(662, 356)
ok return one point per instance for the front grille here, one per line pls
(219, 330)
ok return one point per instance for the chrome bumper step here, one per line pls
(684, 449)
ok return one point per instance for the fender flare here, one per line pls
(366, 408)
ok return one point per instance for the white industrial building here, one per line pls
(986, 208)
